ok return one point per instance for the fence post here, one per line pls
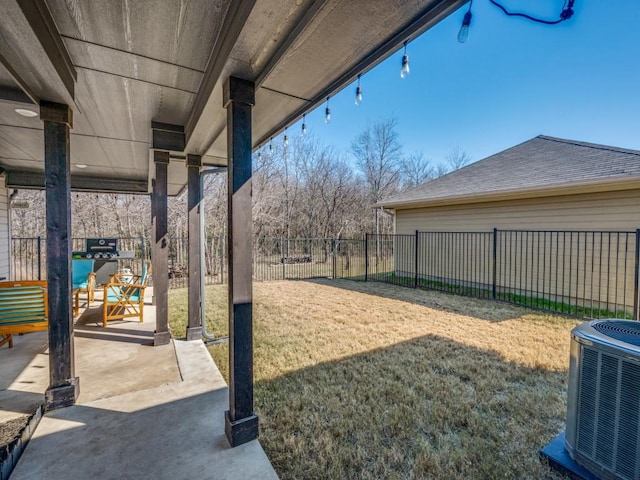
(284, 259)
(495, 262)
(636, 278)
(39, 258)
(333, 256)
(222, 263)
(415, 279)
(143, 254)
(366, 257)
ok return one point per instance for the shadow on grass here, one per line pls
(484, 309)
(425, 408)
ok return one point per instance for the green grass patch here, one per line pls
(540, 303)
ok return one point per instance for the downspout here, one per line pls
(209, 337)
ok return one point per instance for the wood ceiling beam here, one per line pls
(44, 28)
(289, 40)
(24, 86)
(35, 180)
(15, 95)
(234, 22)
(283, 48)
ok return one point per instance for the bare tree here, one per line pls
(378, 154)
(457, 158)
(416, 170)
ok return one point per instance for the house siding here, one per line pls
(5, 231)
(597, 211)
(572, 268)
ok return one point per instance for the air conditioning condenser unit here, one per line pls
(603, 404)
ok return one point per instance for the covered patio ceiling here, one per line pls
(123, 65)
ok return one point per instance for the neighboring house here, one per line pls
(548, 184)
(543, 183)
(5, 231)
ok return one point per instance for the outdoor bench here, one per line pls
(23, 308)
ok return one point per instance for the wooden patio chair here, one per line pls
(83, 280)
(124, 299)
(23, 308)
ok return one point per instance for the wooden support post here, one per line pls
(161, 249)
(64, 386)
(241, 422)
(194, 201)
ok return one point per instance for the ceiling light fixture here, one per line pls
(81, 165)
(404, 71)
(26, 113)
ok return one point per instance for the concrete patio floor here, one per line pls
(143, 411)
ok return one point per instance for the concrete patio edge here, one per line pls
(171, 431)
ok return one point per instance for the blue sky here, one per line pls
(512, 80)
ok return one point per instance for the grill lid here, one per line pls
(623, 330)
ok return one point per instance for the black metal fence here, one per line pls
(590, 274)
(275, 259)
(29, 259)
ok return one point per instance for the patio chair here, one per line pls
(83, 280)
(124, 299)
(23, 308)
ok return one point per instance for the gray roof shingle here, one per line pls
(535, 164)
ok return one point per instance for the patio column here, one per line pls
(64, 386)
(194, 201)
(241, 422)
(161, 249)
(152, 251)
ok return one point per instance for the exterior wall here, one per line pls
(590, 269)
(598, 211)
(5, 231)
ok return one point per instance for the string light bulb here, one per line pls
(286, 139)
(358, 100)
(327, 113)
(404, 71)
(304, 125)
(463, 34)
(271, 145)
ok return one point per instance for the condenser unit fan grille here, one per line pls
(627, 332)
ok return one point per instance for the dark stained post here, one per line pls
(241, 422)
(64, 385)
(161, 249)
(152, 252)
(194, 201)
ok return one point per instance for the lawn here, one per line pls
(370, 381)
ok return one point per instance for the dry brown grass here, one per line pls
(359, 380)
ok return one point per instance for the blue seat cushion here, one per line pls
(82, 285)
(115, 299)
